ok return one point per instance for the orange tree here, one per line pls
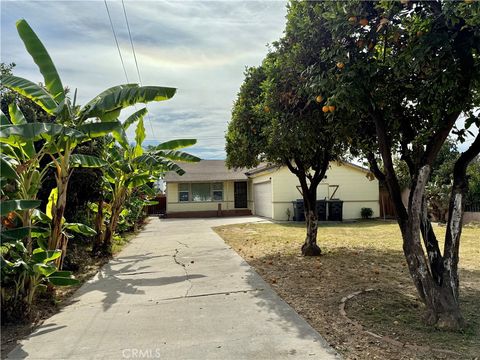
(275, 119)
(411, 71)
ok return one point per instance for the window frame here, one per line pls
(188, 191)
(212, 190)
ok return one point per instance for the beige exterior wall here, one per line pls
(173, 205)
(355, 189)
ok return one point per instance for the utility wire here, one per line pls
(136, 64)
(116, 40)
(131, 42)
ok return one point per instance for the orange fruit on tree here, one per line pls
(352, 19)
(340, 65)
(319, 99)
(325, 109)
(331, 108)
(363, 22)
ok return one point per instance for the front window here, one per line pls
(217, 191)
(200, 192)
(183, 192)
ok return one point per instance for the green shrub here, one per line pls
(366, 213)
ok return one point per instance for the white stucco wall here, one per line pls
(354, 188)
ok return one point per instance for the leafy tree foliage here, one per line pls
(276, 119)
(410, 70)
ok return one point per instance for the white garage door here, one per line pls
(262, 194)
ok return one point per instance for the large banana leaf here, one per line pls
(44, 269)
(139, 138)
(80, 229)
(14, 234)
(176, 155)
(10, 134)
(121, 136)
(3, 119)
(158, 163)
(62, 278)
(52, 201)
(16, 115)
(138, 180)
(111, 115)
(137, 115)
(86, 161)
(175, 144)
(17, 118)
(31, 91)
(124, 96)
(40, 55)
(6, 168)
(17, 205)
(106, 92)
(99, 129)
(45, 256)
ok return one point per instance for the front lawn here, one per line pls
(360, 255)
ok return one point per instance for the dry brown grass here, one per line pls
(365, 254)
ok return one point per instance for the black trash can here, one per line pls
(322, 210)
(298, 210)
(335, 210)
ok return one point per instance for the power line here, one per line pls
(116, 40)
(131, 43)
(136, 63)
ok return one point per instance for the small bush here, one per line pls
(366, 213)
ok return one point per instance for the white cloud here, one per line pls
(200, 47)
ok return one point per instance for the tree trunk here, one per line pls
(57, 213)
(438, 295)
(431, 245)
(27, 222)
(111, 227)
(310, 247)
(98, 241)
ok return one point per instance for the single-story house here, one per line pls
(208, 188)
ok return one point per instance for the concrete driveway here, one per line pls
(177, 291)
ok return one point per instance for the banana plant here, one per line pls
(23, 270)
(24, 160)
(73, 124)
(132, 167)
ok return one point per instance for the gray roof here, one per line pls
(267, 166)
(206, 170)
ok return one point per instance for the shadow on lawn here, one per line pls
(314, 287)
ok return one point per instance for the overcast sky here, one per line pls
(199, 47)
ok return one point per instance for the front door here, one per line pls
(240, 195)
